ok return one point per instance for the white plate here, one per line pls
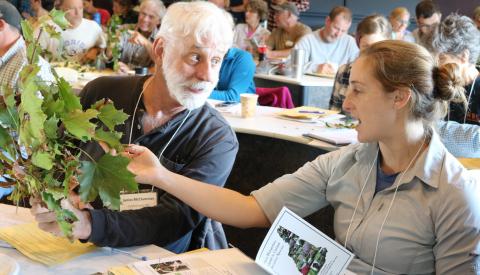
(8, 266)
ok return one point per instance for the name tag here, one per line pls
(133, 201)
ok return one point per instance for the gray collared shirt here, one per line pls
(433, 225)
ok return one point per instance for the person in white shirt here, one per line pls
(82, 41)
(330, 46)
(250, 35)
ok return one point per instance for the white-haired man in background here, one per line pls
(167, 115)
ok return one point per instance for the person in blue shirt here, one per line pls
(236, 76)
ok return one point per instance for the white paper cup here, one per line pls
(249, 104)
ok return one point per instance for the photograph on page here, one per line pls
(293, 246)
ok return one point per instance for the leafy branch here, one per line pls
(42, 127)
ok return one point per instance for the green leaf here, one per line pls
(71, 101)
(27, 31)
(78, 123)
(52, 32)
(111, 116)
(65, 218)
(58, 17)
(107, 178)
(5, 138)
(51, 127)
(43, 160)
(110, 138)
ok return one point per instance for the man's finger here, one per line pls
(46, 217)
(51, 227)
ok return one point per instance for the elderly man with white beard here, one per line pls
(167, 114)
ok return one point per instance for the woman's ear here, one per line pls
(402, 97)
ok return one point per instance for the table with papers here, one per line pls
(97, 260)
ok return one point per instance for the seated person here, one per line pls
(302, 6)
(400, 19)
(90, 10)
(403, 204)
(39, 9)
(457, 43)
(460, 140)
(250, 35)
(288, 32)
(168, 115)
(371, 29)
(82, 41)
(330, 46)
(428, 16)
(136, 46)
(124, 10)
(236, 76)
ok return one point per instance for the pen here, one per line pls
(311, 112)
(6, 245)
(131, 254)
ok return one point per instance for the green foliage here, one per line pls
(41, 126)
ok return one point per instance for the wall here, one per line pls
(319, 9)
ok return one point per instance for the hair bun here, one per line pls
(448, 83)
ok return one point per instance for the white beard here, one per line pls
(178, 87)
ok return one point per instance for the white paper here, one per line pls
(334, 136)
(293, 246)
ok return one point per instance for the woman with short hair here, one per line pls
(400, 19)
(250, 35)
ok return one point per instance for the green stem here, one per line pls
(35, 45)
(83, 152)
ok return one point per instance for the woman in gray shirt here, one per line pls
(403, 204)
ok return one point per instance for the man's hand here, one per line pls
(47, 219)
(326, 68)
(123, 68)
(90, 55)
(138, 39)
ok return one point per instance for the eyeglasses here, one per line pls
(402, 22)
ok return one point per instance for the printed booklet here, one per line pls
(292, 246)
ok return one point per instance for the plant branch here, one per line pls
(35, 45)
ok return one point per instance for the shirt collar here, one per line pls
(427, 168)
(14, 49)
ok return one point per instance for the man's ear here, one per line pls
(3, 25)
(401, 97)
(158, 47)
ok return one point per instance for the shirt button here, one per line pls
(139, 126)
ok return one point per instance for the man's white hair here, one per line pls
(202, 20)
(159, 10)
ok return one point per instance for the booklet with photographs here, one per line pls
(292, 246)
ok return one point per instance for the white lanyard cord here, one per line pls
(360, 196)
(393, 199)
(469, 97)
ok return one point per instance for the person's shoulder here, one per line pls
(300, 27)
(112, 87)
(212, 118)
(90, 25)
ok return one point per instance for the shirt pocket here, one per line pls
(171, 165)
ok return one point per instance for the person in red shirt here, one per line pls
(90, 10)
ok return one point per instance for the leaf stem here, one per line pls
(36, 45)
(83, 152)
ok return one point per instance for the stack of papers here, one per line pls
(334, 136)
(41, 246)
(305, 114)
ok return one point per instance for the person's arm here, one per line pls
(461, 140)
(236, 77)
(456, 217)
(221, 204)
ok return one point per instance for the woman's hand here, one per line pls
(144, 164)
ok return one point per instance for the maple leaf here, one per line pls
(51, 127)
(58, 17)
(69, 99)
(78, 123)
(106, 178)
(110, 116)
(111, 138)
(43, 160)
(5, 138)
